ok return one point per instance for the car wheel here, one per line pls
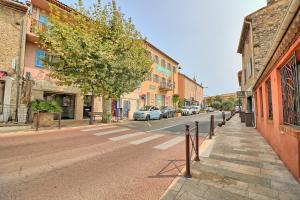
(160, 117)
(148, 118)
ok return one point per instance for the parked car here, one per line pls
(210, 109)
(167, 111)
(147, 113)
(196, 109)
(186, 110)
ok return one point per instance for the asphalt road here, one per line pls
(134, 160)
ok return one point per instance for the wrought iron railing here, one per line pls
(165, 85)
(36, 26)
(290, 92)
(9, 114)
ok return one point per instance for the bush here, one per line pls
(45, 106)
(216, 105)
(227, 105)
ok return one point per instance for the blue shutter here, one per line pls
(43, 19)
(39, 54)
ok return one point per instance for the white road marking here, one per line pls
(123, 137)
(170, 143)
(162, 128)
(146, 139)
(98, 128)
(112, 131)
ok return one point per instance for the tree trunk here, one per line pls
(92, 110)
(106, 117)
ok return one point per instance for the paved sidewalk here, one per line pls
(241, 165)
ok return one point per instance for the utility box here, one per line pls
(249, 119)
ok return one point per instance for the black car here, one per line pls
(167, 111)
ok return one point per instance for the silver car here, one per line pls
(147, 113)
(186, 110)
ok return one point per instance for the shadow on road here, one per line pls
(172, 169)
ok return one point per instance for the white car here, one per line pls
(196, 109)
(147, 113)
(186, 110)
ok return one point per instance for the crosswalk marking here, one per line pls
(170, 143)
(123, 137)
(112, 131)
(137, 142)
(98, 128)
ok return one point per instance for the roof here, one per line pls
(15, 5)
(160, 51)
(185, 76)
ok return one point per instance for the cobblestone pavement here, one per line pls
(240, 166)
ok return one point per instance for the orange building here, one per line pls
(190, 92)
(277, 92)
(162, 83)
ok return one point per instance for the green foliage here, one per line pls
(218, 98)
(227, 105)
(96, 50)
(209, 101)
(180, 103)
(175, 100)
(238, 102)
(45, 106)
(216, 105)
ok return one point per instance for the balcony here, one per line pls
(36, 26)
(165, 86)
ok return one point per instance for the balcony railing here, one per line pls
(166, 86)
(36, 26)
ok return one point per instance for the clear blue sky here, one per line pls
(202, 35)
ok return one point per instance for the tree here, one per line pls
(96, 50)
(209, 101)
(175, 100)
(216, 105)
(218, 98)
(227, 105)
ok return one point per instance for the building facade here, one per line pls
(74, 105)
(277, 91)
(12, 44)
(258, 31)
(162, 83)
(190, 92)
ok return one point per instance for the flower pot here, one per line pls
(178, 114)
(46, 119)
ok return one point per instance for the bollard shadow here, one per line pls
(171, 170)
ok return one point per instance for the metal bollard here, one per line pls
(59, 120)
(187, 152)
(197, 142)
(37, 121)
(212, 126)
(224, 116)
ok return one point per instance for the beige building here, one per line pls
(258, 31)
(190, 92)
(12, 45)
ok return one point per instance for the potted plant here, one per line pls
(45, 110)
(178, 113)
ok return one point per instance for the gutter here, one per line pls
(291, 13)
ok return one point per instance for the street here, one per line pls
(132, 160)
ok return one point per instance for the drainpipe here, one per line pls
(20, 65)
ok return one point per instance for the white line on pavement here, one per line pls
(112, 131)
(170, 143)
(123, 137)
(98, 128)
(147, 139)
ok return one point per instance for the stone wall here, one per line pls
(265, 24)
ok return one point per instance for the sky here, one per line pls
(202, 35)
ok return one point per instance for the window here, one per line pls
(169, 67)
(39, 55)
(290, 92)
(156, 59)
(174, 69)
(156, 78)
(2, 88)
(43, 19)
(270, 104)
(149, 77)
(163, 63)
(261, 102)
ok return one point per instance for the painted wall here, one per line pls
(284, 139)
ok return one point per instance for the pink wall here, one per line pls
(284, 139)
